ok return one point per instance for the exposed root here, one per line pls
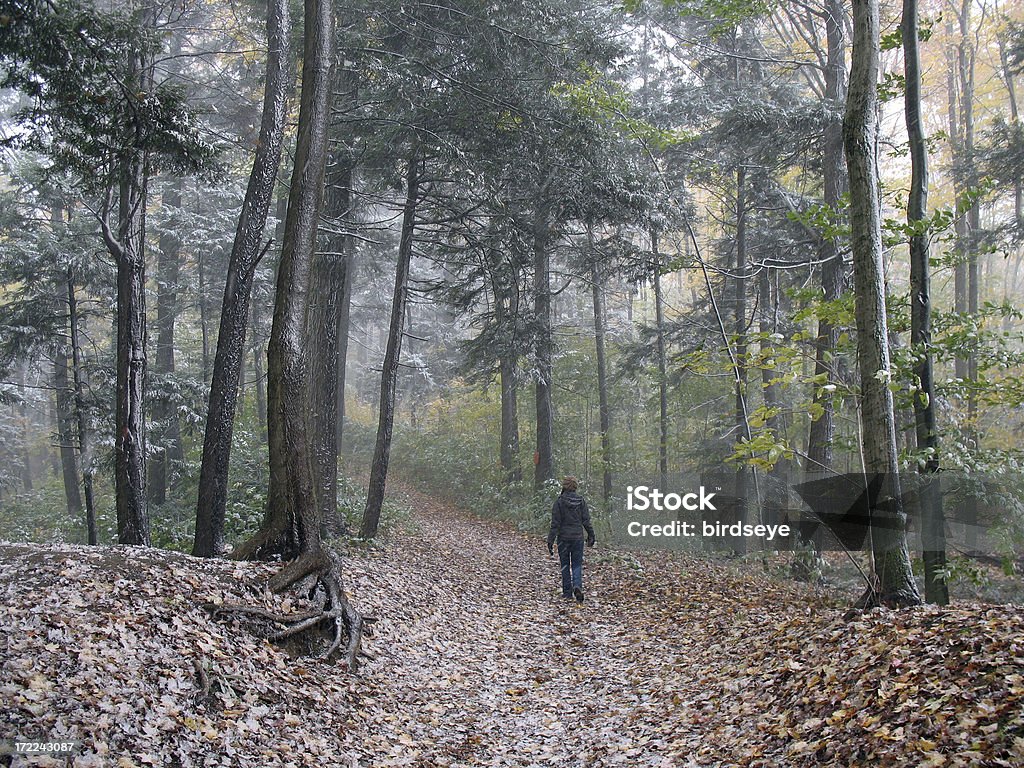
(335, 616)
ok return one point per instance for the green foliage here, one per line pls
(829, 222)
(893, 86)
(893, 41)
(603, 101)
(764, 449)
(939, 226)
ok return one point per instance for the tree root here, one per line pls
(872, 597)
(335, 614)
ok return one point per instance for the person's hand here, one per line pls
(551, 550)
(591, 541)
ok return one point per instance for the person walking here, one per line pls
(570, 525)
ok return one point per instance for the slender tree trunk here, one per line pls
(821, 438)
(291, 526)
(168, 432)
(344, 326)
(860, 133)
(959, 85)
(506, 309)
(933, 535)
(966, 60)
(960, 220)
(84, 433)
(64, 404)
(245, 254)
(27, 471)
(772, 502)
(659, 323)
(544, 461)
(65, 432)
(740, 332)
(604, 408)
(392, 355)
(509, 419)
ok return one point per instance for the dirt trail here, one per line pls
(486, 664)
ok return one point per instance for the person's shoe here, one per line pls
(577, 592)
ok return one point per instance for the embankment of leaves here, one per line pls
(111, 646)
(788, 682)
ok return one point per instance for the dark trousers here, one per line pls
(570, 555)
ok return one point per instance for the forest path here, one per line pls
(486, 664)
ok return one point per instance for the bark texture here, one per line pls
(328, 334)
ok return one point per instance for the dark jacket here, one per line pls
(570, 518)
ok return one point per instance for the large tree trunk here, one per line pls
(245, 255)
(822, 432)
(168, 433)
(392, 355)
(544, 461)
(84, 433)
(659, 327)
(130, 439)
(860, 132)
(127, 245)
(291, 526)
(326, 324)
(933, 535)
